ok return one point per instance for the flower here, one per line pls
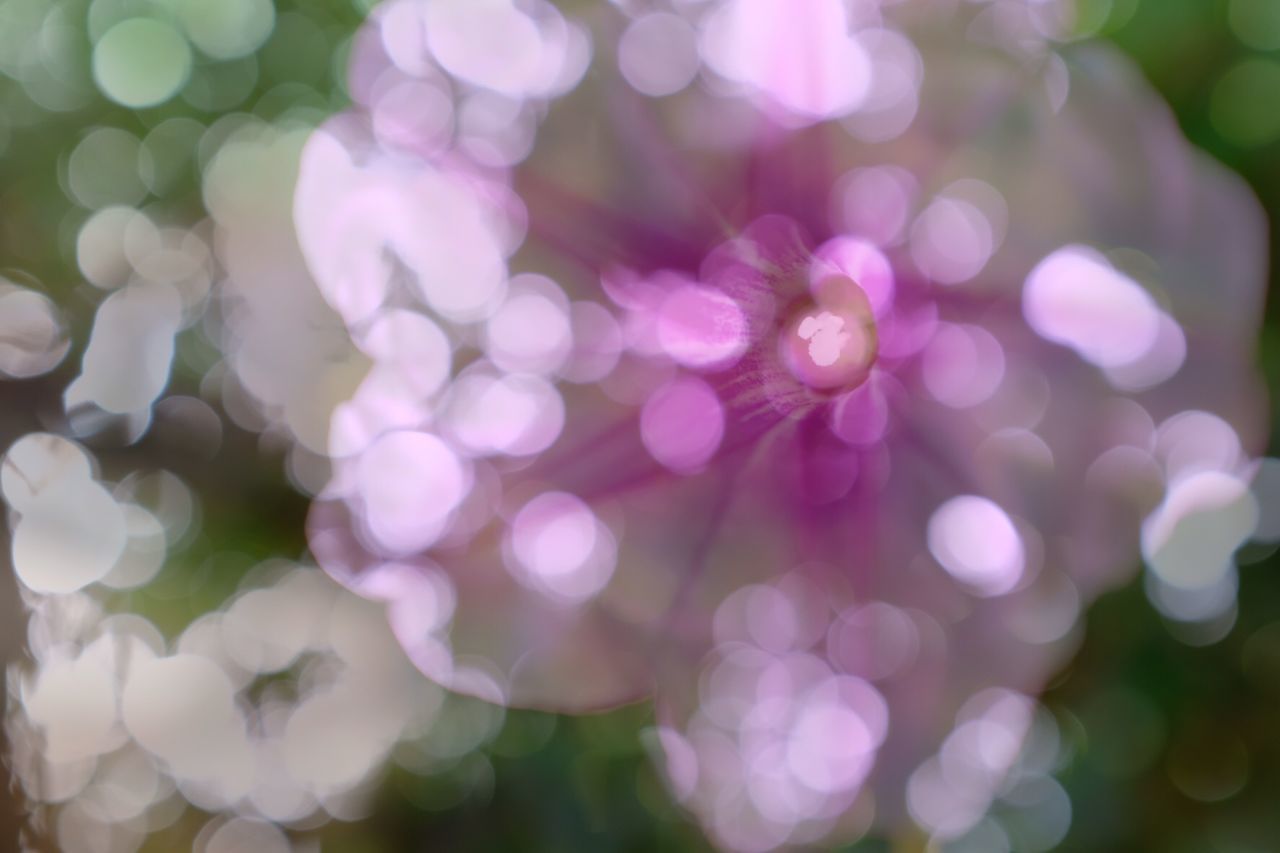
(807, 367)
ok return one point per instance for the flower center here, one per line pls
(828, 339)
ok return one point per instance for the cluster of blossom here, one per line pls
(279, 709)
(807, 369)
(123, 731)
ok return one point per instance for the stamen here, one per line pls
(829, 341)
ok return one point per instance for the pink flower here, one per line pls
(806, 366)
